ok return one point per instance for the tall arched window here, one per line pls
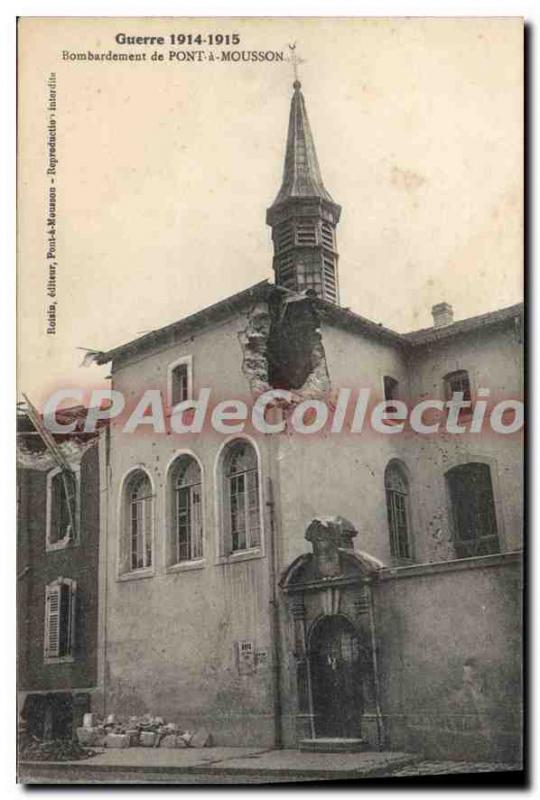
(62, 507)
(138, 519)
(397, 505)
(241, 495)
(187, 517)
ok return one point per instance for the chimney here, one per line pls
(443, 314)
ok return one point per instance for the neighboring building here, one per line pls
(57, 565)
(216, 612)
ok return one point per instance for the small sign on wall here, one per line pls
(245, 657)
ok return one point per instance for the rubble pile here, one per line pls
(53, 750)
(138, 731)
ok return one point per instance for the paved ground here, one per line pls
(452, 768)
(212, 765)
(236, 765)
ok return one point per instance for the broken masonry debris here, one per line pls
(138, 731)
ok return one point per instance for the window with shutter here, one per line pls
(60, 620)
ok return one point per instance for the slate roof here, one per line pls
(301, 174)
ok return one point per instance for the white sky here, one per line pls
(166, 171)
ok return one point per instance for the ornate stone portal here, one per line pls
(332, 636)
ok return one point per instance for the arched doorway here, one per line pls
(336, 678)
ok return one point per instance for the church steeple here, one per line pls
(303, 216)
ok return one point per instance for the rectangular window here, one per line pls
(179, 381)
(458, 382)
(179, 384)
(59, 619)
(473, 510)
(391, 392)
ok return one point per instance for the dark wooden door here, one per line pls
(336, 679)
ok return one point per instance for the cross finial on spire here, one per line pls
(295, 61)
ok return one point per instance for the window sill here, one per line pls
(187, 566)
(241, 555)
(402, 561)
(59, 660)
(60, 545)
(136, 575)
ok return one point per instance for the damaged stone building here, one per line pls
(285, 590)
(57, 574)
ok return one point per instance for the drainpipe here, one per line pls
(378, 712)
(274, 617)
(104, 451)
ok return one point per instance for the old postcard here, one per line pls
(270, 411)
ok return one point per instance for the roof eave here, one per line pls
(220, 310)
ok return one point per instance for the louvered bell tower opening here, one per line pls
(303, 216)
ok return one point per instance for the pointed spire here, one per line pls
(301, 174)
(303, 217)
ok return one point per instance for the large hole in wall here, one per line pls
(283, 348)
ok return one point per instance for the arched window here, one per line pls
(186, 506)
(241, 495)
(397, 505)
(138, 519)
(473, 510)
(62, 507)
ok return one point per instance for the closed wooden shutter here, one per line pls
(52, 621)
(60, 618)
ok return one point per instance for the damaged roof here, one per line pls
(330, 313)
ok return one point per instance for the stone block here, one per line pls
(133, 737)
(90, 737)
(119, 740)
(201, 738)
(147, 739)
